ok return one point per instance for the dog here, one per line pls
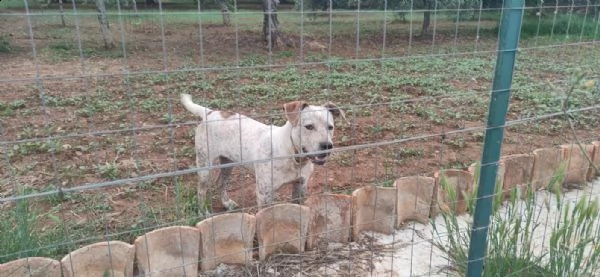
(277, 155)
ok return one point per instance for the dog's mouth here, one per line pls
(318, 159)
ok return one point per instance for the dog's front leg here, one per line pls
(265, 194)
(300, 185)
(299, 190)
(266, 184)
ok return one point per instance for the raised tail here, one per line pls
(194, 108)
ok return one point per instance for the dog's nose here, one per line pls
(325, 145)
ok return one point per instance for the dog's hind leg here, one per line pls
(223, 181)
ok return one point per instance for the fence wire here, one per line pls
(97, 147)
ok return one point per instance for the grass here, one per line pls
(561, 25)
(5, 45)
(11, 4)
(20, 236)
(570, 250)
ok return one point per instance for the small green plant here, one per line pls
(253, 60)
(5, 46)
(167, 118)
(6, 110)
(457, 142)
(17, 104)
(152, 104)
(36, 147)
(61, 46)
(388, 183)
(404, 153)
(285, 54)
(187, 203)
(108, 170)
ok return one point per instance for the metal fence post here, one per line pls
(510, 29)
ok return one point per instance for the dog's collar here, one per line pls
(298, 160)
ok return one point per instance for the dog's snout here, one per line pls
(325, 146)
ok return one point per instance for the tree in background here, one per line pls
(109, 42)
(62, 13)
(427, 6)
(271, 23)
(225, 12)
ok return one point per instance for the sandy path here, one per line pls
(420, 258)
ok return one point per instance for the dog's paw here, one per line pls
(204, 213)
(231, 205)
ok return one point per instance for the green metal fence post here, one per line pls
(510, 29)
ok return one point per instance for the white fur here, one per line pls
(269, 149)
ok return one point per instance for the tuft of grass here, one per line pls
(387, 183)
(19, 237)
(36, 147)
(187, 203)
(5, 46)
(572, 249)
(108, 170)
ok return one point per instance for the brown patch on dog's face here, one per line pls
(292, 111)
(335, 110)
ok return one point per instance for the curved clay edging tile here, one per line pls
(108, 257)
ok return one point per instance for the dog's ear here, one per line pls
(335, 110)
(292, 110)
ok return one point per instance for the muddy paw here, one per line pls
(231, 205)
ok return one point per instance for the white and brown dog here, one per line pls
(271, 152)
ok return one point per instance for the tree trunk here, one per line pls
(62, 13)
(426, 17)
(109, 42)
(225, 12)
(426, 22)
(135, 10)
(271, 23)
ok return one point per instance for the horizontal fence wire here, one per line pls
(116, 159)
(130, 181)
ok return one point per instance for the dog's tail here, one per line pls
(194, 108)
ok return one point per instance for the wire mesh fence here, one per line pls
(97, 147)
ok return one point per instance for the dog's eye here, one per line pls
(309, 127)
(330, 127)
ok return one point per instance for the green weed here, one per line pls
(36, 147)
(405, 153)
(108, 170)
(514, 223)
(20, 238)
(5, 45)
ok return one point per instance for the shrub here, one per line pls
(5, 46)
(19, 237)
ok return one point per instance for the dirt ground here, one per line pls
(98, 144)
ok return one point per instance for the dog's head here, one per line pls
(312, 128)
